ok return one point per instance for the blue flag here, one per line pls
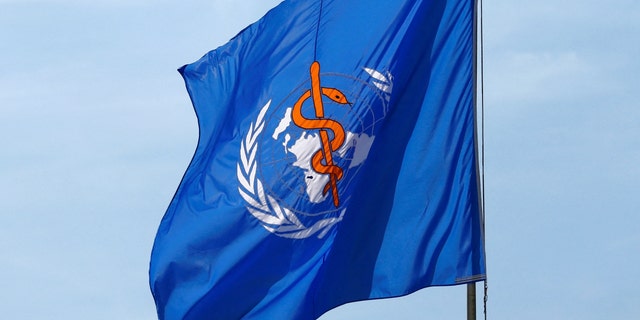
(336, 162)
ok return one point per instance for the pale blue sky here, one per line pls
(96, 130)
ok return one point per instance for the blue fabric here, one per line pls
(257, 229)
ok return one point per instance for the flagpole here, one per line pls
(477, 20)
(471, 301)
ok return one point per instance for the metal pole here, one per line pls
(471, 301)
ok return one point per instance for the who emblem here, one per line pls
(299, 161)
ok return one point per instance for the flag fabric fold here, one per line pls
(336, 162)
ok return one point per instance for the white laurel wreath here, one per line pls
(382, 82)
(274, 217)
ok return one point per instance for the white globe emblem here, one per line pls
(276, 177)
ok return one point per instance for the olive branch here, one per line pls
(276, 219)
